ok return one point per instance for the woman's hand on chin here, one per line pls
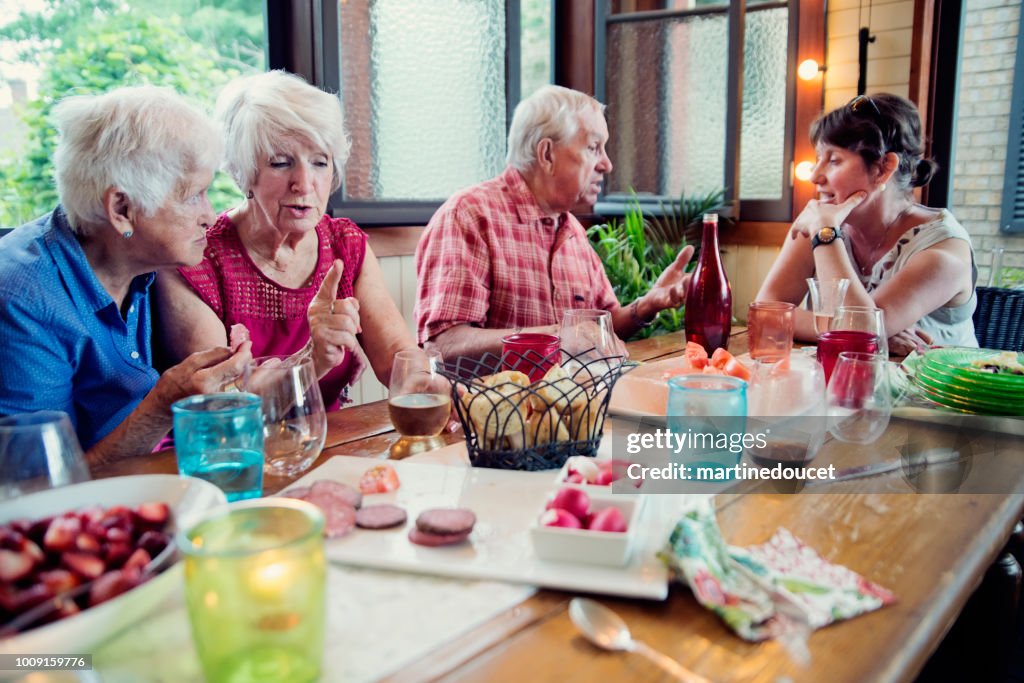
(817, 215)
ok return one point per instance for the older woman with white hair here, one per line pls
(507, 254)
(132, 169)
(295, 277)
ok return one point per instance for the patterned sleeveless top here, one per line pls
(229, 282)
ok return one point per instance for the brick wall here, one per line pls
(986, 85)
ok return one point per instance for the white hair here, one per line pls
(550, 112)
(257, 112)
(142, 140)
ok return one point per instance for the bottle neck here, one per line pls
(709, 240)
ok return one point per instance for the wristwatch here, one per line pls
(826, 235)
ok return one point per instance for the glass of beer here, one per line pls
(419, 401)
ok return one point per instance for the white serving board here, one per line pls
(506, 504)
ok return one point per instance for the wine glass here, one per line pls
(294, 417)
(419, 401)
(863, 319)
(39, 451)
(826, 297)
(858, 397)
(588, 335)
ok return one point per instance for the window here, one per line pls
(670, 77)
(53, 48)
(427, 91)
(1012, 220)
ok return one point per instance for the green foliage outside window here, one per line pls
(96, 45)
(636, 249)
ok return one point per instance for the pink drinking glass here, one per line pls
(770, 325)
(532, 353)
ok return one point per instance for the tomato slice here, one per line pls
(712, 370)
(720, 357)
(736, 369)
(379, 479)
(696, 354)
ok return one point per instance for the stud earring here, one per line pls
(883, 187)
(127, 234)
(249, 194)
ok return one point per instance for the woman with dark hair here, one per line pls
(912, 261)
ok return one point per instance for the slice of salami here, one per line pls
(445, 521)
(339, 519)
(383, 516)
(297, 492)
(422, 538)
(337, 490)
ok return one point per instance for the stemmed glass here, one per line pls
(294, 417)
(859, 399)
(588, 335)
(863, 319)
(826, 297)
(419, 401)
(39, 451)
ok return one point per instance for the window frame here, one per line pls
(297, 39)
(750, 209)
(1013, 182)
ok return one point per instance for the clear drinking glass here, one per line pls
(863, 319)
(255, 584)
(826, 297)
(39, 451)
(294, 418)
(786, 401)
(588, 335)
(859, 399)
(419, 401)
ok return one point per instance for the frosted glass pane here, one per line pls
(534, 45)
(679, 143)
(424, 89)
(764, 104)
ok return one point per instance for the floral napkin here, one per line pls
(762, 591)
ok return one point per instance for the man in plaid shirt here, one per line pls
(506, 255)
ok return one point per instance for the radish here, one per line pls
(573, 501)
(585, 467)
(560, 518)
(605, 478)
(609, 519)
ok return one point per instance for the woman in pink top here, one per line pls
(276, 263)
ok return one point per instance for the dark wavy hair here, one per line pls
(874, 126)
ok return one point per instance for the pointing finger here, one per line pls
(328, 291)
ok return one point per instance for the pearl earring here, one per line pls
(883, 187)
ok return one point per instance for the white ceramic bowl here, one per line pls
(186, 496)
(611, 549)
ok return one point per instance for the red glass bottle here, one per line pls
(708, 315)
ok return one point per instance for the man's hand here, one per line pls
(669, 291)
(333, 326)
(817, 215)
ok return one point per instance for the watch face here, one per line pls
(826, 235)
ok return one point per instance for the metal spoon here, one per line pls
(607, 630)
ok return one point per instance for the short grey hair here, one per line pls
(142, 140)
(550, 112)
(257, 112)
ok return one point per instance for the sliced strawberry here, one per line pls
(10, 539)
(110, 585)
(153, 542)
(118, 535)
(86, 566)
(116, 554)
(58, 580)
(60, 536)
(138, 559)
(153, 514)
(87, 543)
(14, 565)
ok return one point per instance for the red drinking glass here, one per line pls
(831, 344)
(532, 353)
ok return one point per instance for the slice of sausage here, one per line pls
(335, 489)
(339, 519)
(445, 521)
(383, 516)
(433, 540)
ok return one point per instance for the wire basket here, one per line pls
(512, 423)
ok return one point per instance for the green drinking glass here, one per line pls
(255, 586)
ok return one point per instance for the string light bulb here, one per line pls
(803, 170)
(809, 69)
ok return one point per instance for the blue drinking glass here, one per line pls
(710, 413)
(219, 438)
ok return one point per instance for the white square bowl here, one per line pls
(582, 546)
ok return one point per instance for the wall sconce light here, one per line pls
(803, 170)
(809, 69)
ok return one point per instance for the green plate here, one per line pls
(958, 362)
(970, 390)
(959, 403)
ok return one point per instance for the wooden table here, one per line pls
(931, 550)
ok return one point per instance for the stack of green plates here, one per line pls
(951, 378)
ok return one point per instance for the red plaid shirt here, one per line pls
(489, 257)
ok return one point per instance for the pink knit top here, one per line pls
(229, 282)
